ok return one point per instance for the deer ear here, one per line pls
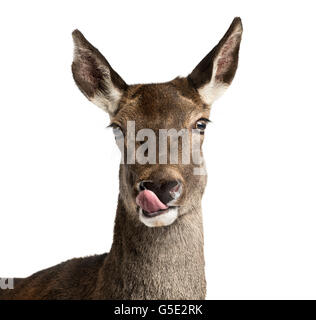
(212, 76)
(94, 76)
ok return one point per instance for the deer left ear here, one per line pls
(213, 75)
(94, 76)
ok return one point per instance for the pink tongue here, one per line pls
(148, 201)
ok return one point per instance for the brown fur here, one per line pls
(144, 263)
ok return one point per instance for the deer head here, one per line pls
(153, 190)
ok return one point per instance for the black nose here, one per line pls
(166, 191)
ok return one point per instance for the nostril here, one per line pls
(176, 190)
(170, 185)
(176, 187)
(141, 186)
(149, 185)
(166, 191)
(170, 190)
(146, 185)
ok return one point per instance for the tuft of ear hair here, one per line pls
(213, 75)
(94, 76)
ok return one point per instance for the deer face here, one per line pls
(159, 128)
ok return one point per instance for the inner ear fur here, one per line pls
(212, 76)
(94, 76)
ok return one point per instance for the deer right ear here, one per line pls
(94, 76)
(213, 75)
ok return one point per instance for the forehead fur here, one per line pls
(169, 104)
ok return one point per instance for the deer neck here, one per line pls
(155, 263)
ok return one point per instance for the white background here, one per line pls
(59, 163)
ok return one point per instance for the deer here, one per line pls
(158, 244)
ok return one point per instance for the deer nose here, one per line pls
(166, 191)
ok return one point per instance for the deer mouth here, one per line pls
(157, 213)
(153, 212)
(150, 204)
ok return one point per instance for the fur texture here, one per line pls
(164, 262)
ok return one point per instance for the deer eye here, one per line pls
(201, 125)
